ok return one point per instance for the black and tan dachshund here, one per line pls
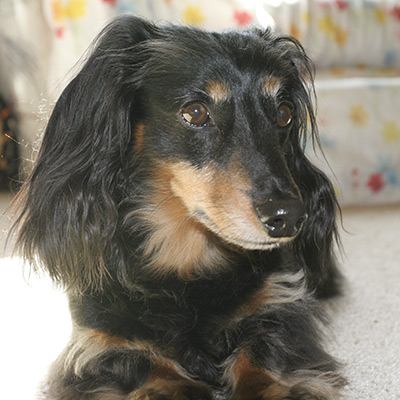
(173, 201)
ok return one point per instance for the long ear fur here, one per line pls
(71, 198)
(314, 245)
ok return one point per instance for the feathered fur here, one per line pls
(158, 225)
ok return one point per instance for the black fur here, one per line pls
(106, 177)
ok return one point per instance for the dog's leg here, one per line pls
(250, 381)
(279, 355)
(99, 366)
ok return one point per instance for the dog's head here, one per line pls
(213, 124)
(221, 113)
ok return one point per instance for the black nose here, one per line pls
(282, 218)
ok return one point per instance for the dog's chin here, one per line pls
(250, 245)
(265, 245)
(252, 238)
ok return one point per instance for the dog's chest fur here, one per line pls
(196, 322)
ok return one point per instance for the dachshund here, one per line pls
(173, 202)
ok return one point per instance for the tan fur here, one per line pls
(88, 345)
(188, 204)
(139, 138)
(278, 289)
(177, 241)
(168, 380)
(250, 381)
(222, 198)
(218, 91)
(287, 288)
(271, 86)
(170, 389)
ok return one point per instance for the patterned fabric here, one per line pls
(364, 33)
(359, 124)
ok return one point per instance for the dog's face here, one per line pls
(219, 116)
(167, 141)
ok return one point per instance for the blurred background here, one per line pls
(355, 45)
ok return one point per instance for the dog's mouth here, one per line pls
(245, 239)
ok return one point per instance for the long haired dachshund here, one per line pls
(172, 199)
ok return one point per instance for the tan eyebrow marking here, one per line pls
(271, 86)
(218, 91)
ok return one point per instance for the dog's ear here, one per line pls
(314, 247)
(70, 212)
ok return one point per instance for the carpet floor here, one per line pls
(366, 321)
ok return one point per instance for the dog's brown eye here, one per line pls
(283, 115)
(195, 114)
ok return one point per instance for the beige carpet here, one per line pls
(366, 322)
(367, 319)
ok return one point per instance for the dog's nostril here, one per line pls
(275, 223)
(300, 222)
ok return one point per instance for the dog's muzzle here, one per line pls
(282, 218)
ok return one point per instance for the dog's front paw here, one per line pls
(316, 389)
(163, 389)
(251, 382)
